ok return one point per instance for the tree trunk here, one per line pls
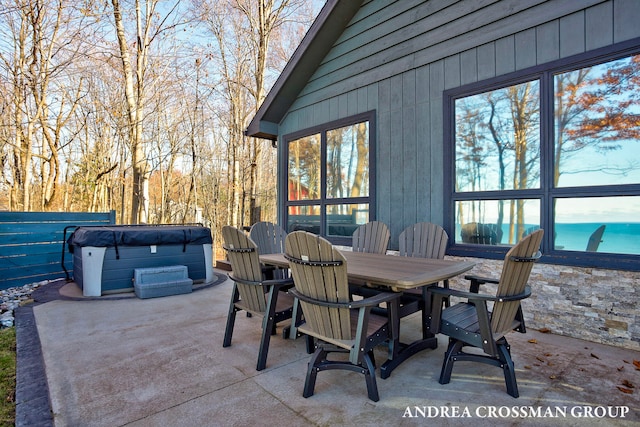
(134, 115)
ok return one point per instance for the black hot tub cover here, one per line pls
(138, 235)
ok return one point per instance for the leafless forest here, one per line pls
(140, 106)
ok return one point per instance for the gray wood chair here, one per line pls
(335, 323)
(372, 237)
(483, 234)
(269, 238)
(471, 323)
(595, 239)
(421, 240)
(266, 299)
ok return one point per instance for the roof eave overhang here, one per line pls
(323, 33)
(262, 129)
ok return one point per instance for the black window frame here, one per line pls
(323, 201)
(544, 73)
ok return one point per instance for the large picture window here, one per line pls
(329, 170)
(554, 147)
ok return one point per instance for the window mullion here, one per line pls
(547, 158)
(323, 182)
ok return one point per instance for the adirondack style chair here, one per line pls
(472, 324)
(269, 238)
(253, 293)
(421, 240)
(335, 323)
(595, 239)
(372, 237)
(484, 234)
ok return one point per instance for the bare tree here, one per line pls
(267, 26)
(245, 31)
(594, 108)
(45, 39)
(524, 101)
(499, 127)
(98, 97)
(149, 25)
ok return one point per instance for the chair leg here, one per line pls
(425, 313)
(231, 318)
(447, 302)
(370, 377)
(372, 357)
(268, 328)
(312, 371)
(508, 368)
(310, 342)
(454, 348)
(454, 352)
(319, 363)
(228, 332)
(268, 325)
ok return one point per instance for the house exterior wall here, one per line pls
(592, 304)
(399, 57)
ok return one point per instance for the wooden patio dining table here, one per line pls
(395, 274)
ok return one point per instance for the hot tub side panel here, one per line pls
(118, 273)
(87, 269)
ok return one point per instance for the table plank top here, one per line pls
(395, 272)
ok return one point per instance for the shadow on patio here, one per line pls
(160, 361)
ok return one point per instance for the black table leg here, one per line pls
(398, 351)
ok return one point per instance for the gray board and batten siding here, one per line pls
(398, 57)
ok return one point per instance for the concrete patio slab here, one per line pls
(160, 362)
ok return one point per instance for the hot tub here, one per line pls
(105, 257)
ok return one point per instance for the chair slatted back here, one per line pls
(268, 236)
(372, 237)
(423, 240)
(516, 269)
(595, 239)
(245, 265)
(320, 272)
(483, 234)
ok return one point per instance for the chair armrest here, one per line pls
(279, 282)
(472, 296)
(373, 301)
(481, 280)
(476, 281)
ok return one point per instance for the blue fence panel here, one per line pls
(32, 244)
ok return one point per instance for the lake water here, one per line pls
(622, 238)
(617, 238)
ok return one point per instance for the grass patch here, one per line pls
(7, 376)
